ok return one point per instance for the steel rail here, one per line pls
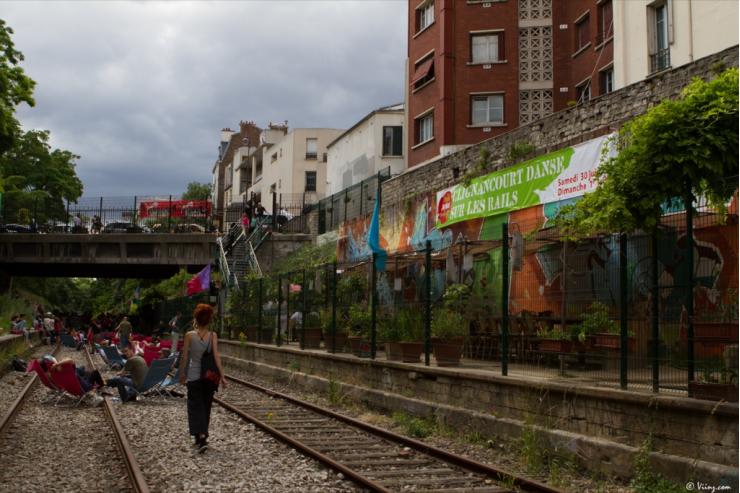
(138, 481)
(310, 451)
(18, 403)
(464, 462)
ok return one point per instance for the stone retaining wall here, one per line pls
(688, 428)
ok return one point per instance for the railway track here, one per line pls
(138, 482)
(375, 458)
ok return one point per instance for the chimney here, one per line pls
(226, 134)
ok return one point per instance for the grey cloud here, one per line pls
(141, 90)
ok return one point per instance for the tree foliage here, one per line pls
(682, 145)
(197, 191)
(15, 88)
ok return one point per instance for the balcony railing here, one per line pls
(311, 155)
(660, 60)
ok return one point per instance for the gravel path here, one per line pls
(506, 455)
(13, 382)
(240, 459)
(60, 448)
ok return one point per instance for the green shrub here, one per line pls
(447, 324)
(360, 320)
(410, 325)
(646, 480)
(389, 330)
(413, 426)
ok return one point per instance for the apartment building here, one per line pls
(226, 174)
(373, 144)
(476, 68)
(293, 167)
(252, 166)
(652, 36)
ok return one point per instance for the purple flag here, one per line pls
(201, 281)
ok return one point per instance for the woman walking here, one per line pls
(199, 342)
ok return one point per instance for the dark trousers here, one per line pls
(125, 387)
(200, 399)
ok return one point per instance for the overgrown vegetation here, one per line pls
(646, 480)
(679, 148)
(306, 257)
(413, 426)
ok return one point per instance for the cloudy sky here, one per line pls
(141, 90)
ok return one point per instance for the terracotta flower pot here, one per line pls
(612, 341)
(448, 352)
(411, 351)
(713, 391)
(360, 346)
(556, 346)
(393, 351)
(311, 337)
(341, 341)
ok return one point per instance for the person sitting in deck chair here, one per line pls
(132, 375)
(87, 379)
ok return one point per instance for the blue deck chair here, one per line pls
(113, 357)
(164, 388)
(155, 376)
(68, 341)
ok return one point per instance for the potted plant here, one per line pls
(411, 329)
(311, 331)
(555, 341)
(340, 334)
(360, 321)
(449, 329)
(605, 332)
(716, 383)
(389, 331)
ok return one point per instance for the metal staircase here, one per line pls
(237, 251)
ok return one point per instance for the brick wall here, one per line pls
(568, 127)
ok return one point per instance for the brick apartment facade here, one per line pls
(477, 69)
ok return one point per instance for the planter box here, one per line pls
(267, 334)
(360, 346)
(311, 337)
(713, 391)
(611, 341)
(393, 351)
(556, 346)
(716, 330)
(448, 353)
(341, 341)
(411, 351)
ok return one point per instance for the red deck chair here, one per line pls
(65, 377)
(35, 365)
(90, 337)
(150, 354)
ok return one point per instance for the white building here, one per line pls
(372, 144)
(651, 36)
(293, 167)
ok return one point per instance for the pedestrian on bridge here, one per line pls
(199, 352)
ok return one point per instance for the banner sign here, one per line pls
(179, 208)
(559, 175)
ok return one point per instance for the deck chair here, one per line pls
(113, 357)
(56, 393)
(164, 388)
(68, 341)
(156, 375)
(150, 354)
(65, 378)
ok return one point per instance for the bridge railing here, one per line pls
(135, 214)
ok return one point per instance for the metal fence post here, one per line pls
(133, 216)
(278, 337)
(66, 226)
(100, 214)
(373, 307)
(505, 299)
(274, 210)
(428, 303)
(304, 320)
(334, 309)
(169, 216)
(688, 205)
(623, 327)
(259, 310)
(655, 306)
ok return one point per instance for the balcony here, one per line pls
(311, 156)
(660, 60)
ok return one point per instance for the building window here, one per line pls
(606, 19)
(311, 152)
(487, 48)
(583, 92)
(424, 16)
(392, 141)
(660, 56)
(310, 181)
(606, 82)
(487, 109)
(423, 71)
(582, 32)
(424, 128)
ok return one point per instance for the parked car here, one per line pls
(15, 228)
(124, 227)
(189, 228)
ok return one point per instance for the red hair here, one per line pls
(203, 314)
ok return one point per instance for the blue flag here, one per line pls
(373, 239)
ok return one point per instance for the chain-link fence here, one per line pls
(352, 202)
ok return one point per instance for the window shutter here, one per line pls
(501, 47)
